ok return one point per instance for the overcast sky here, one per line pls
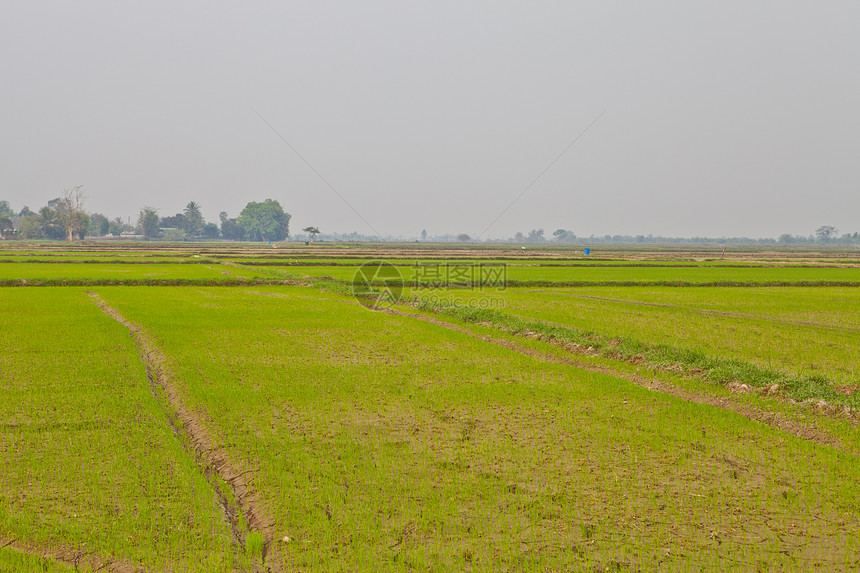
(721, 118)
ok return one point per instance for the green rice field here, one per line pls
(162, 416)
(645, 274)
(51, 273)
(797, 329)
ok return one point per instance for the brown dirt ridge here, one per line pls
(212, 458)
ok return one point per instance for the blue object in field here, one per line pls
(586, 251)
(270, 242)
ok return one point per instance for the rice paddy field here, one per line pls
(231, 407)
(520, 274)
(45, 273)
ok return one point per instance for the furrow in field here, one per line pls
(70, 557)
(210, 456)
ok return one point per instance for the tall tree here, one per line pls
(148, 222)
(50, 220)
(178, 222)
(229, 228)
(70, 212)
(6, 227)
(99, 225)
(194, 220)
(562, 235)
(264, 221)
(210, 231)
(6, 209)
(312, 231)
(30, 227)
(83, 227)
(116, 226)
(535, 236)
(825, 233)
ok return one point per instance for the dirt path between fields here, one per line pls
(188, 426)
(70, 557)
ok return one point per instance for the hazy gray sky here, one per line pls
(722, 118)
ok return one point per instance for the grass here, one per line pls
(36, 273)
(382, 441)
(377, 441)
(254, 544)
(90, 463)
(14, 561)
(693, 362)
(526, 261)
(796, 331)
(726, 335)
(96, 258)
(613, 275)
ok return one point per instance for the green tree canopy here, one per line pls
(148, 222)
(210, 231)
(177, 221)
(231, 230)
(99, 225)
(312, 231)
(264, 221)
(6, 227)
(563, 235)
(116, 226)
(31, 227)
(50, 221)
(194, 221)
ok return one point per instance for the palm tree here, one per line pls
(194, 219)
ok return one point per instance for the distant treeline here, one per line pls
(568, 237)
(65, 218)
